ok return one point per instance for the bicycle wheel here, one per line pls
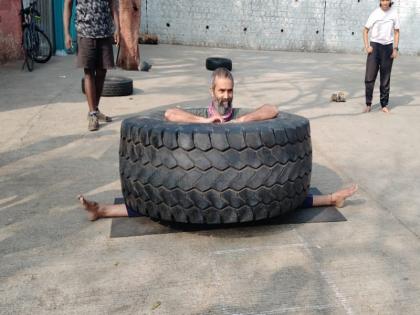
(42, 47)
(27, 48)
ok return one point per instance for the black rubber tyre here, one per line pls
(212, 63)
(215, 173)
(27, 49)
(43, 46)
(115, 86)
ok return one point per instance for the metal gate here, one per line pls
(45, 8)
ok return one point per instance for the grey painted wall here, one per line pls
(309, 25)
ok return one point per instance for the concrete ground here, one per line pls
(53, 260)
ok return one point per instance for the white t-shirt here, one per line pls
(383, 23)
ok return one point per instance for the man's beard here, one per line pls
(223, 106)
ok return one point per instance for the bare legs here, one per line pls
(335, 199)
(94, 82)
(96, 210)
(99, 84)
(90, 89)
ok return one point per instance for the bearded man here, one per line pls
(220, 109)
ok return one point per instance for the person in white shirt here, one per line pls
(384, 26)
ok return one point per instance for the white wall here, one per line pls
(310, 25)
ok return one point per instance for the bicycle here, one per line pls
(36, 44)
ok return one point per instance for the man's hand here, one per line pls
(213, 120)
(67, 9)
(369, 50)
(394, 54)
(117, 37)
(68, 41)
(216, 118)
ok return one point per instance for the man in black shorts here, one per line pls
(97, 26)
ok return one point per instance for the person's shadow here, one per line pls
(396, 101)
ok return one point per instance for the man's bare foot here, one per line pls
(385, 110)
(91, 207)
(367, 109)
(338, 198)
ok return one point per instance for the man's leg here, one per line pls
(86, 59)
(99, 84)
(372, 68)
(90, 90)
(385, 76)
(96, 210)
(335, 199)
(105, 61)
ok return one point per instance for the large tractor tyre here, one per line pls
(212, 63)
(215, 173)
(115, 86)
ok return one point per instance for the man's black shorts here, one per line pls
(95, 53)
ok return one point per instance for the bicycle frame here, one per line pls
(34, 40)
(31, 16)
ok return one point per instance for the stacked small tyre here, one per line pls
(215, 173)
(114, 86)
(212, 63)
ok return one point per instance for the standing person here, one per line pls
(129, 54)
(382, 50)
(97, 27)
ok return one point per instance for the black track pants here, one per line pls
(379, 60)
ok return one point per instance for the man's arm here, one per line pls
(113, 4)
(396, 42)
(264, 112)
(368, 48)
(182, 116)
(68, 5)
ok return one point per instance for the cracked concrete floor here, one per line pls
(55, 261)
